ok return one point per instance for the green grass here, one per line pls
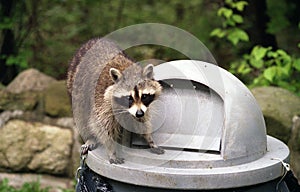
(26, 187)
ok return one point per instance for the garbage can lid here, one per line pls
(212, 129)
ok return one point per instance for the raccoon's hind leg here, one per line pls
(109, 140)
(111, 150)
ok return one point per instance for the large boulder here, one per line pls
(280, 109)
(7, 115)
(279, 106)
(25, 101)
(23, 93)
(56, 100)
(30, 80)
(35, 147)
(294, 145)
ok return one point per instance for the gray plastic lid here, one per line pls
(234, 121)
(212, 129)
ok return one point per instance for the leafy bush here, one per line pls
(263, 66)
(46, 34)
(231, 20)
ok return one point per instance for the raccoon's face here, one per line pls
(136, 89)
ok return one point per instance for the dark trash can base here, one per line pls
(89, 181)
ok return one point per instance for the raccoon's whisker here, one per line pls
(120, 110)
(119, 113)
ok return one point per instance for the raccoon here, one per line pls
(124, 93)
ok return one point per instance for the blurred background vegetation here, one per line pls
(257, 40)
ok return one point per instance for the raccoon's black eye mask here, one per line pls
(147, 99)
(125, 101)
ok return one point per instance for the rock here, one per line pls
(76, 152)
(30, 80)
(7, 115)
(57, 101)
(35, 147)
(294, 145)
(18, 101)
(278, 106)
(65, 122)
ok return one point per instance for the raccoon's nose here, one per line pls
(139, 113)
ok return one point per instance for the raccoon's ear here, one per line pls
(115, 74)
(148, 71)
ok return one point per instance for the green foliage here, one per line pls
(27, 187)
(47, 33)
(7, 23)
(231, 20)
(299, 28)
(277, 11)
(12, 36)
(20, 60)
(263, 66)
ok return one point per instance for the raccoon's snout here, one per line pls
(139, 113)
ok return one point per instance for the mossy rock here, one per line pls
(278, 106)
(294, 145)
(25, 101)
(35, 147)
(30, 80)
(57, 101)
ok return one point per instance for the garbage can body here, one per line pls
(213, 132)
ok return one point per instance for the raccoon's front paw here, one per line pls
(87, 147)
(116, 160)
(157, 150)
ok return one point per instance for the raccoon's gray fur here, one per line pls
(124, 90)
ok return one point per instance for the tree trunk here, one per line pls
(8, 47)
(256, 11)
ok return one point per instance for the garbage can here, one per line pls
(213, 133)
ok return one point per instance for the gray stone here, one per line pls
(65, 122)
(25, 101)
(7, 115)
(35, 147)
(30, 80)
(56, 100)
(279, 107)
(294, 145)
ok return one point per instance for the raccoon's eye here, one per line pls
(147, 98)
(125, 101)
(130, 99)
